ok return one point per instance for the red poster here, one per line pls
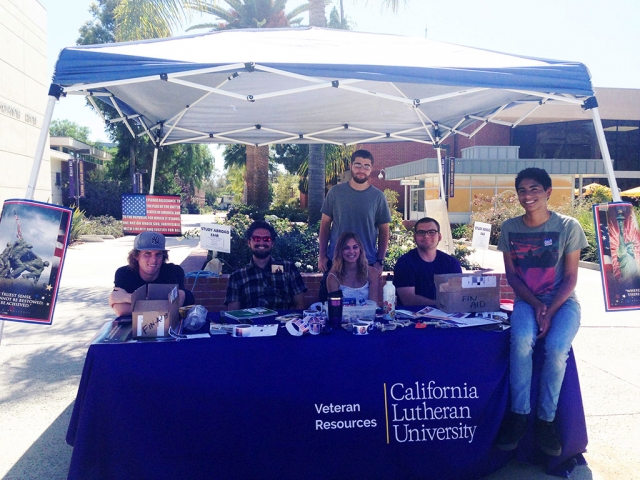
(34, 239)
(151, 213)
(619, 249)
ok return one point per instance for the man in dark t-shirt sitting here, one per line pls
(414, 271)
(147, 263)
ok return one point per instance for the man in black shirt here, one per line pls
(147, 264)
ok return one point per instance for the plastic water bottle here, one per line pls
(389, 299)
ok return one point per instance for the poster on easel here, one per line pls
(618, 240)
(33, 244)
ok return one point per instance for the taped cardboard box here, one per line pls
(154, 310)
(467, 292)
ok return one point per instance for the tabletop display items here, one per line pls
(389, 299)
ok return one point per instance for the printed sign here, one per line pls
(215, 237)
(481, 236)
(619, 251)
(34, 239)
(151, 213)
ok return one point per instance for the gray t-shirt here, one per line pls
(538, 252)
(358, 211)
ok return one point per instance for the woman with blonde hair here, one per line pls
(351, 273)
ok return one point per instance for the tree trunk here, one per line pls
(316, 152)
(257, 176)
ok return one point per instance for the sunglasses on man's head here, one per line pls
(256, 238)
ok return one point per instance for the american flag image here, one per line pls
(151, 213)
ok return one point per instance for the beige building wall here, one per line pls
(23, 97)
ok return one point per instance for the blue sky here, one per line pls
(605, 36)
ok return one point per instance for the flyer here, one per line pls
(33, 244)
(618, 242)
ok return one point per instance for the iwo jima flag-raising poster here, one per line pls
(33, 242)
(619, 249)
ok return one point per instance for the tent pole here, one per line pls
(54, 95)
(153, 169)
(439, 152)
(604, 149)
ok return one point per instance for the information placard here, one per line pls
(151, 213)
(481, 236)
(215, 237)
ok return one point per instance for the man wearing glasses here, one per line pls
(265, 281)
(414, 271)
(359, 207)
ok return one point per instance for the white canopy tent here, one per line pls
(311, 85)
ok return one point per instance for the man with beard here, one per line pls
(265, 281)
(359, 207)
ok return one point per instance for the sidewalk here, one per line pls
(40, 368)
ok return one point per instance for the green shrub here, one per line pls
(495, 210)
(104, 225)
(461, 230)
(78, 225)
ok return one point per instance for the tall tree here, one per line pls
(67, 128)
(253, 14)
(180, 168)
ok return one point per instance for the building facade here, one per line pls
(23, 96)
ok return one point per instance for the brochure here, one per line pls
(247, 315)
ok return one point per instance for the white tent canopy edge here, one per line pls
(305, 87)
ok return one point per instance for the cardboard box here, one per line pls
(154, 310)
(467, 292)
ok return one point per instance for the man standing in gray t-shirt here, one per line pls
(355, 206)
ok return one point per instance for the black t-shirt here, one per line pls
(130, 280)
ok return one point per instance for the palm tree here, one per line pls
(253, 14)
(316, 152)
(143, 19)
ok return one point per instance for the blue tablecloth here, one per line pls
(403, 404)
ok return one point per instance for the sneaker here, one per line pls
(547, 438)
(511, 431)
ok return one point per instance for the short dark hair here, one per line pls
(362, 154)
(540, 175)
(260, 224)
(426, 220)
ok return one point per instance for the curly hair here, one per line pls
(338, 267)
(132, 258)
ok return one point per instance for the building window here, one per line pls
(58, 179)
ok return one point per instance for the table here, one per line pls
(411, 403)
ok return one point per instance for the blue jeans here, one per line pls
(524, 330)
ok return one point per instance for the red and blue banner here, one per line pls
(618, 240)
(151, 213)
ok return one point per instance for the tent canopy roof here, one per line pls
(311, 85)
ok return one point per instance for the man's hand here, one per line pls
(379, 267)
(543, 317)
(323, 261)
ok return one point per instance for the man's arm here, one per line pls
(408, 297)
(568, 284)
(233, 306)
(120, 301)
(323, 240)
(383, 242)
(522, 290)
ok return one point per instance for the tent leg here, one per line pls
(42, 142)
(153, 170)
(439, 152)
(604, 149)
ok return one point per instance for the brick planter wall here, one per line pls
(210, 291)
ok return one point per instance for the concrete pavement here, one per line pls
(40, 368)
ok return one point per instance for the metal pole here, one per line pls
(406, 203)
(604, 149)
(42, 142)
(440, 173)
(153, 170)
